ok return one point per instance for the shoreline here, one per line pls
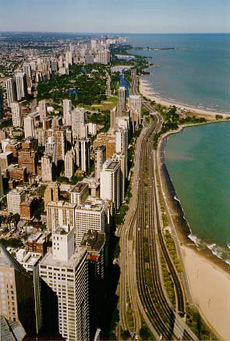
(147, 91)
(203, 270)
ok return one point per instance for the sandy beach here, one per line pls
(148, 92)
(210, 289)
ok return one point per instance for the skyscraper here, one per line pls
(65, 270)
(16, 109)
(51, 148)
(1, 104)
(100, 157)
(67, 108)
(28, 126)
(42, 109)
(11, 91)
(78, 123)
(21, 85)
(121, 100)
(17, 295)
(69, 163)
(47, 168)
(110, 183)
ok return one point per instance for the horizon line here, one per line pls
(117, 33)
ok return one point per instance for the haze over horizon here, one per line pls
(120, 16)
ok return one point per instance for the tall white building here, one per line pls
(47, 168)
(100, 157)
(11, 91)
(122, 145)
(90, 214)
(69, 57)
(67, 108)
(28, 126)
(51, 148)
(79, 128)
(16, 109)
(42, 109)
(65, 271)
(110, 183)
(104, 57)
(14, 199)
(134, 102)
(69, 163)
(21, 85)
(1, 185)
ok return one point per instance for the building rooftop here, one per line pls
(94, 240)
(92, 204)
(79, 187)
(48, 260)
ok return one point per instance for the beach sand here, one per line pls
(148, 92)
(210, 289)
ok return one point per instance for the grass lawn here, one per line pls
(109, 104)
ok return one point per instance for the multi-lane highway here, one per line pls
(141, 230)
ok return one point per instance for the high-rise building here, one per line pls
(27, 71)
(14, 199)
(78, 123)
(95, 242)
(100, 157)
(67, 108)
(93, 44)
(61, 214)
(110, 183)
(82, 150)
(29, 127)
(1, 104)
(104, 57)
(47, 168)
(134, 102)
(92, 213)
(79, 193)
(51, 194)
(17, 293)
(11, 91)
(122, 145)
(121, 100)
(60, 136)
(42, 109)
(21, 85)
(1, 185)
(16, 109)
(66, 272)
(69, 163)
(69, 57)
(28, 158)
(113, 116)
(51, 148)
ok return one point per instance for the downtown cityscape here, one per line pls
(98, 157)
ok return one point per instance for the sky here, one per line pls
(116, 16)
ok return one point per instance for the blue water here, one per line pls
(198, 161)
(197, 75)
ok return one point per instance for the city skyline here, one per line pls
(137, 16)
